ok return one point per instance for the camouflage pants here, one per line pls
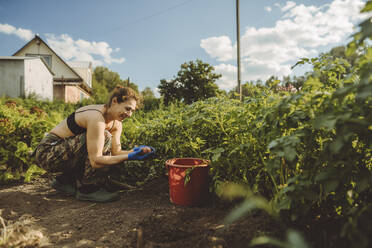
(68, 158)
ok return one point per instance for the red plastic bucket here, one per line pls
(196, 191)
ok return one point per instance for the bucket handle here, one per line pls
(169, 162)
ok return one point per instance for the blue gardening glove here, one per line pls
(138, 148)
(142, 146)
(136, 154)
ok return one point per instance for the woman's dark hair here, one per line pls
(123, 94)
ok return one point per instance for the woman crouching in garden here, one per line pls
(83, 147)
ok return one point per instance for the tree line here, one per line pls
(196, 80)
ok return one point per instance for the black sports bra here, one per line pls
(74, 127)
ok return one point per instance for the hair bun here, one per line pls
(123, 93)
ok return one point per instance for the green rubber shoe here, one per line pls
(100, 195)
(68, 189)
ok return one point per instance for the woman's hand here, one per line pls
(141, 152)
(144, 149)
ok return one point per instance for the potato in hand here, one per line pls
(145, 150)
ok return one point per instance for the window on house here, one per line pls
(81, 96)
(45, 57)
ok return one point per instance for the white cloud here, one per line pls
(288, 5)
(218, 47)
(228, 79)
(156, 92)
(268, 9)
(82, 50)
(300, 32)
(24, 34)
(255, 69)
(69, 49)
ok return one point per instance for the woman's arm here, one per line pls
(95, 143)
(115, 141)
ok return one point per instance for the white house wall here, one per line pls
(58, 67)
(38, 79)
(11, 77)
(85, 74)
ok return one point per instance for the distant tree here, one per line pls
(272, 83)
(251, 89)
(195, 81)
(169, 90)
(295, 82)
(108, 78)
(128, 83)
(340, 52)
(100, 91)
(148, 93)
(104, 81)
(150, 102)
(298, 82)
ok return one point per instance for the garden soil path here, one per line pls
(143, 217)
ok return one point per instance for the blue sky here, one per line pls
(148, 40)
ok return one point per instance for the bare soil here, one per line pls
(143, 217)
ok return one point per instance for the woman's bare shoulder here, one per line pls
(89, 114)
(93, 107)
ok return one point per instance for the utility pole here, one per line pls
(239, 89)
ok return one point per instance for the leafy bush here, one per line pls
(20, 131)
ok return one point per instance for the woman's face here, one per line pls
(123, 110)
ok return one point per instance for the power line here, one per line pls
(150, 16)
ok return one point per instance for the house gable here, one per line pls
(62, 71)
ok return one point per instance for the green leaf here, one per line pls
(290, 153)
(365, 93)
(337, 145)
(288, 189)
(252, 202)
(300, 62)
(272, 144)
(326, 175)
(363, 180)
(232, 191)
(367, 7)
(265, 240)
(327, 121)
(188, 174)
(240, 211)
(296, 240)
(330, 185)
(32, 171)
(351, 48)
(9, 176)
(216, 156)
(366, 29)
(284, 203)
